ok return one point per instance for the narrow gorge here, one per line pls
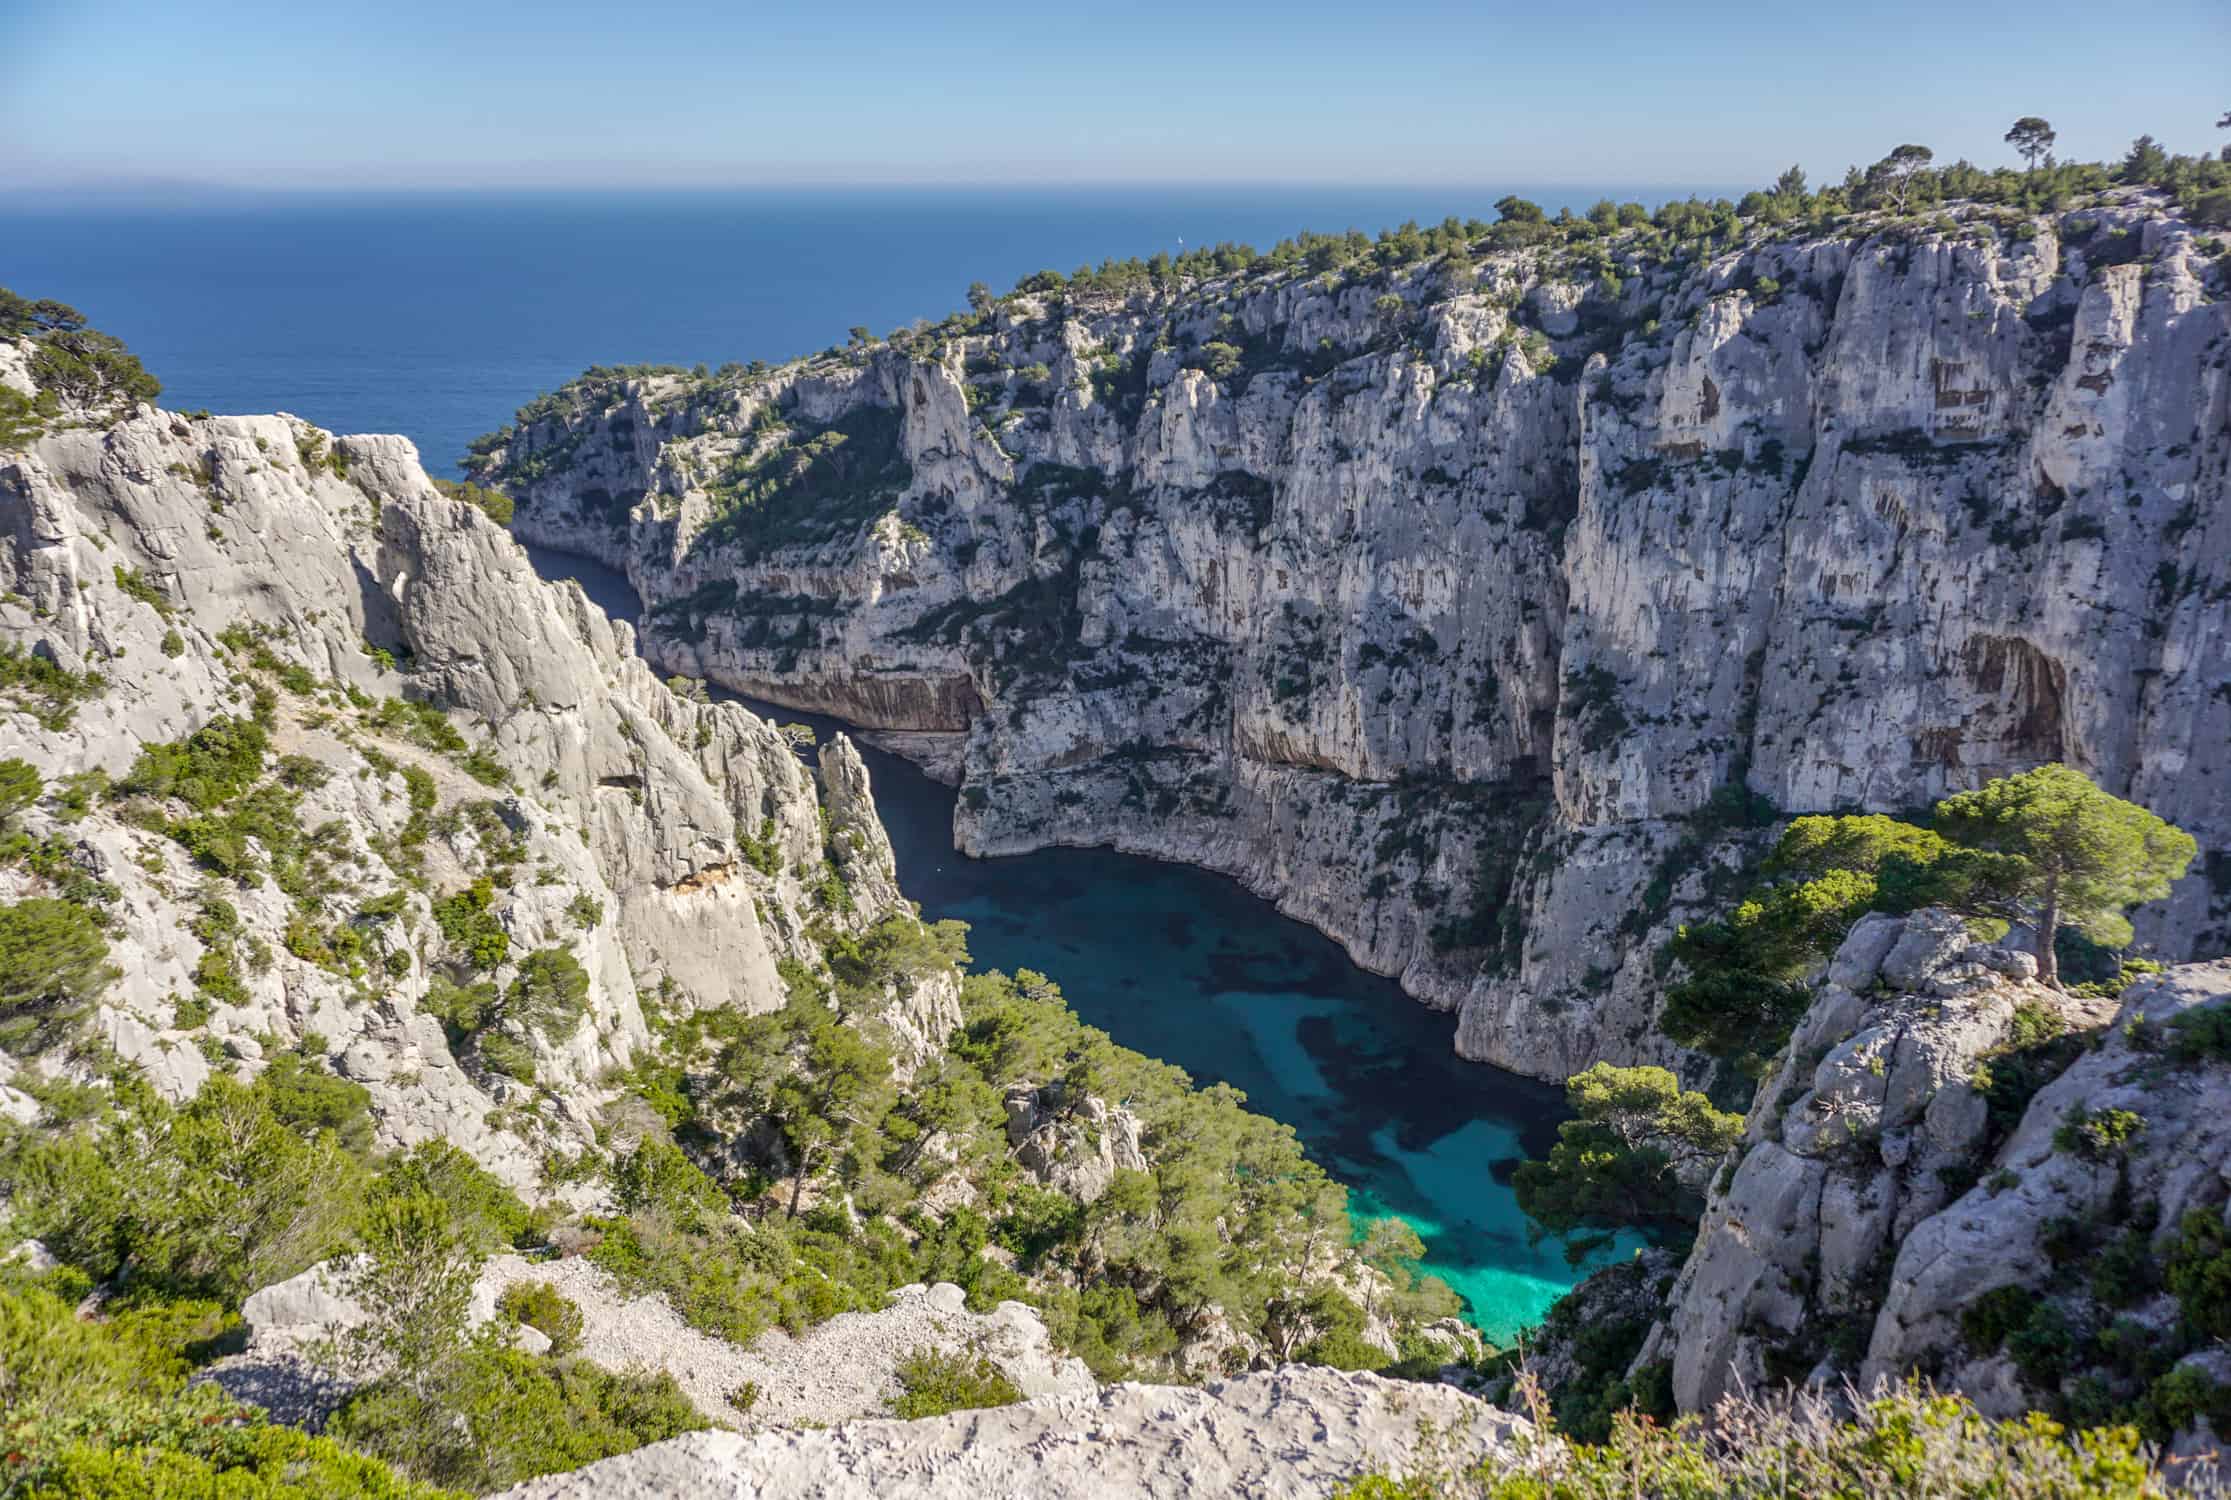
(1483, 613)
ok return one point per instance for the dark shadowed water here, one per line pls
(1188, 967)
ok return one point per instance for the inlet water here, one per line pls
(1187, 966)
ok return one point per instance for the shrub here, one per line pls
(465, 918)
(2201, 1034)
(53, 963)
(494, 504)
(209, 768)
(935, 1381)
(2098, 1136)
(2198, 1271)
(1907, 1443)
(37, 686)
(551, 993)
(489, 1417)
(1986, 1322)
(542, 1306)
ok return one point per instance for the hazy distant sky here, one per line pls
(388, 93)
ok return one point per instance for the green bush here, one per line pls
(495, 504)
(1906, 1444)
(207, 769)
(489, 1417)
(49, 693)
(542, 1306)
(550, 994)
(1986, 1321)
(2198, 1271)
(2098, 1135)
(2201, 1034)
(213, 1197)
(53, 964)
(935, 1381)
(100, 1409)
(465, 918)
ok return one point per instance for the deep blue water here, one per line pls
(437, 315)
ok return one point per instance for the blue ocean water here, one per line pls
(437, 315)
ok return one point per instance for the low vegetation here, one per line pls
(1796, 1447)
(1220, 1223)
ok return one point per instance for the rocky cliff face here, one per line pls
(1296, 1431)
(1960, 1172)
(1446, 604)
(435, 716)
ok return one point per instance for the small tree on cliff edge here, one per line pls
(2086, 857)
(2033, 138)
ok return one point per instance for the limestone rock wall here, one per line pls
(1880, 1189)
(187, 560)
(1441, 617)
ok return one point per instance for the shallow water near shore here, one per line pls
(1187, 966)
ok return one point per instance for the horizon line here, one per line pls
(160, 188)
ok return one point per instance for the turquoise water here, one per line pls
(1188, 967)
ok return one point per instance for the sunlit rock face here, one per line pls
(1892, 1179)
(191, 561)
(1439, 605)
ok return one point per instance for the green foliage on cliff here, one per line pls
(935, 1381)
(460, 1408)
(818, 482)
(101, 1408)
(70, 361)
(1906, 1443)
(32, 683)
(53, 963)
(495, 504)
(2071, 854)
(178, 1211)
(2046, 847)
(803, 1105)
(1627, 1158)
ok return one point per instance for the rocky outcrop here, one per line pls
(1073, 1149)
(839, 1370)
(1452, 608)
(1909, 1157)
(1292, 1432)
(2056, 1200)
(436, 715)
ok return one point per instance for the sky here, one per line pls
(286, 94)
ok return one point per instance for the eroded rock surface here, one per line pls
(189, 561)
(1443, 613)
(1292, 1432)
(1894, 1173)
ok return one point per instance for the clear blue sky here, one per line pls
(396, 93)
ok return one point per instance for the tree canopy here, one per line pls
(2076, 855)
(2032, 138)
(1633, 1156)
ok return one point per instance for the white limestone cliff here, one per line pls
(1443, 626)
(186, 560)
(1881, 1188)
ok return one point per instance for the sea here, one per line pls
(436, 315)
